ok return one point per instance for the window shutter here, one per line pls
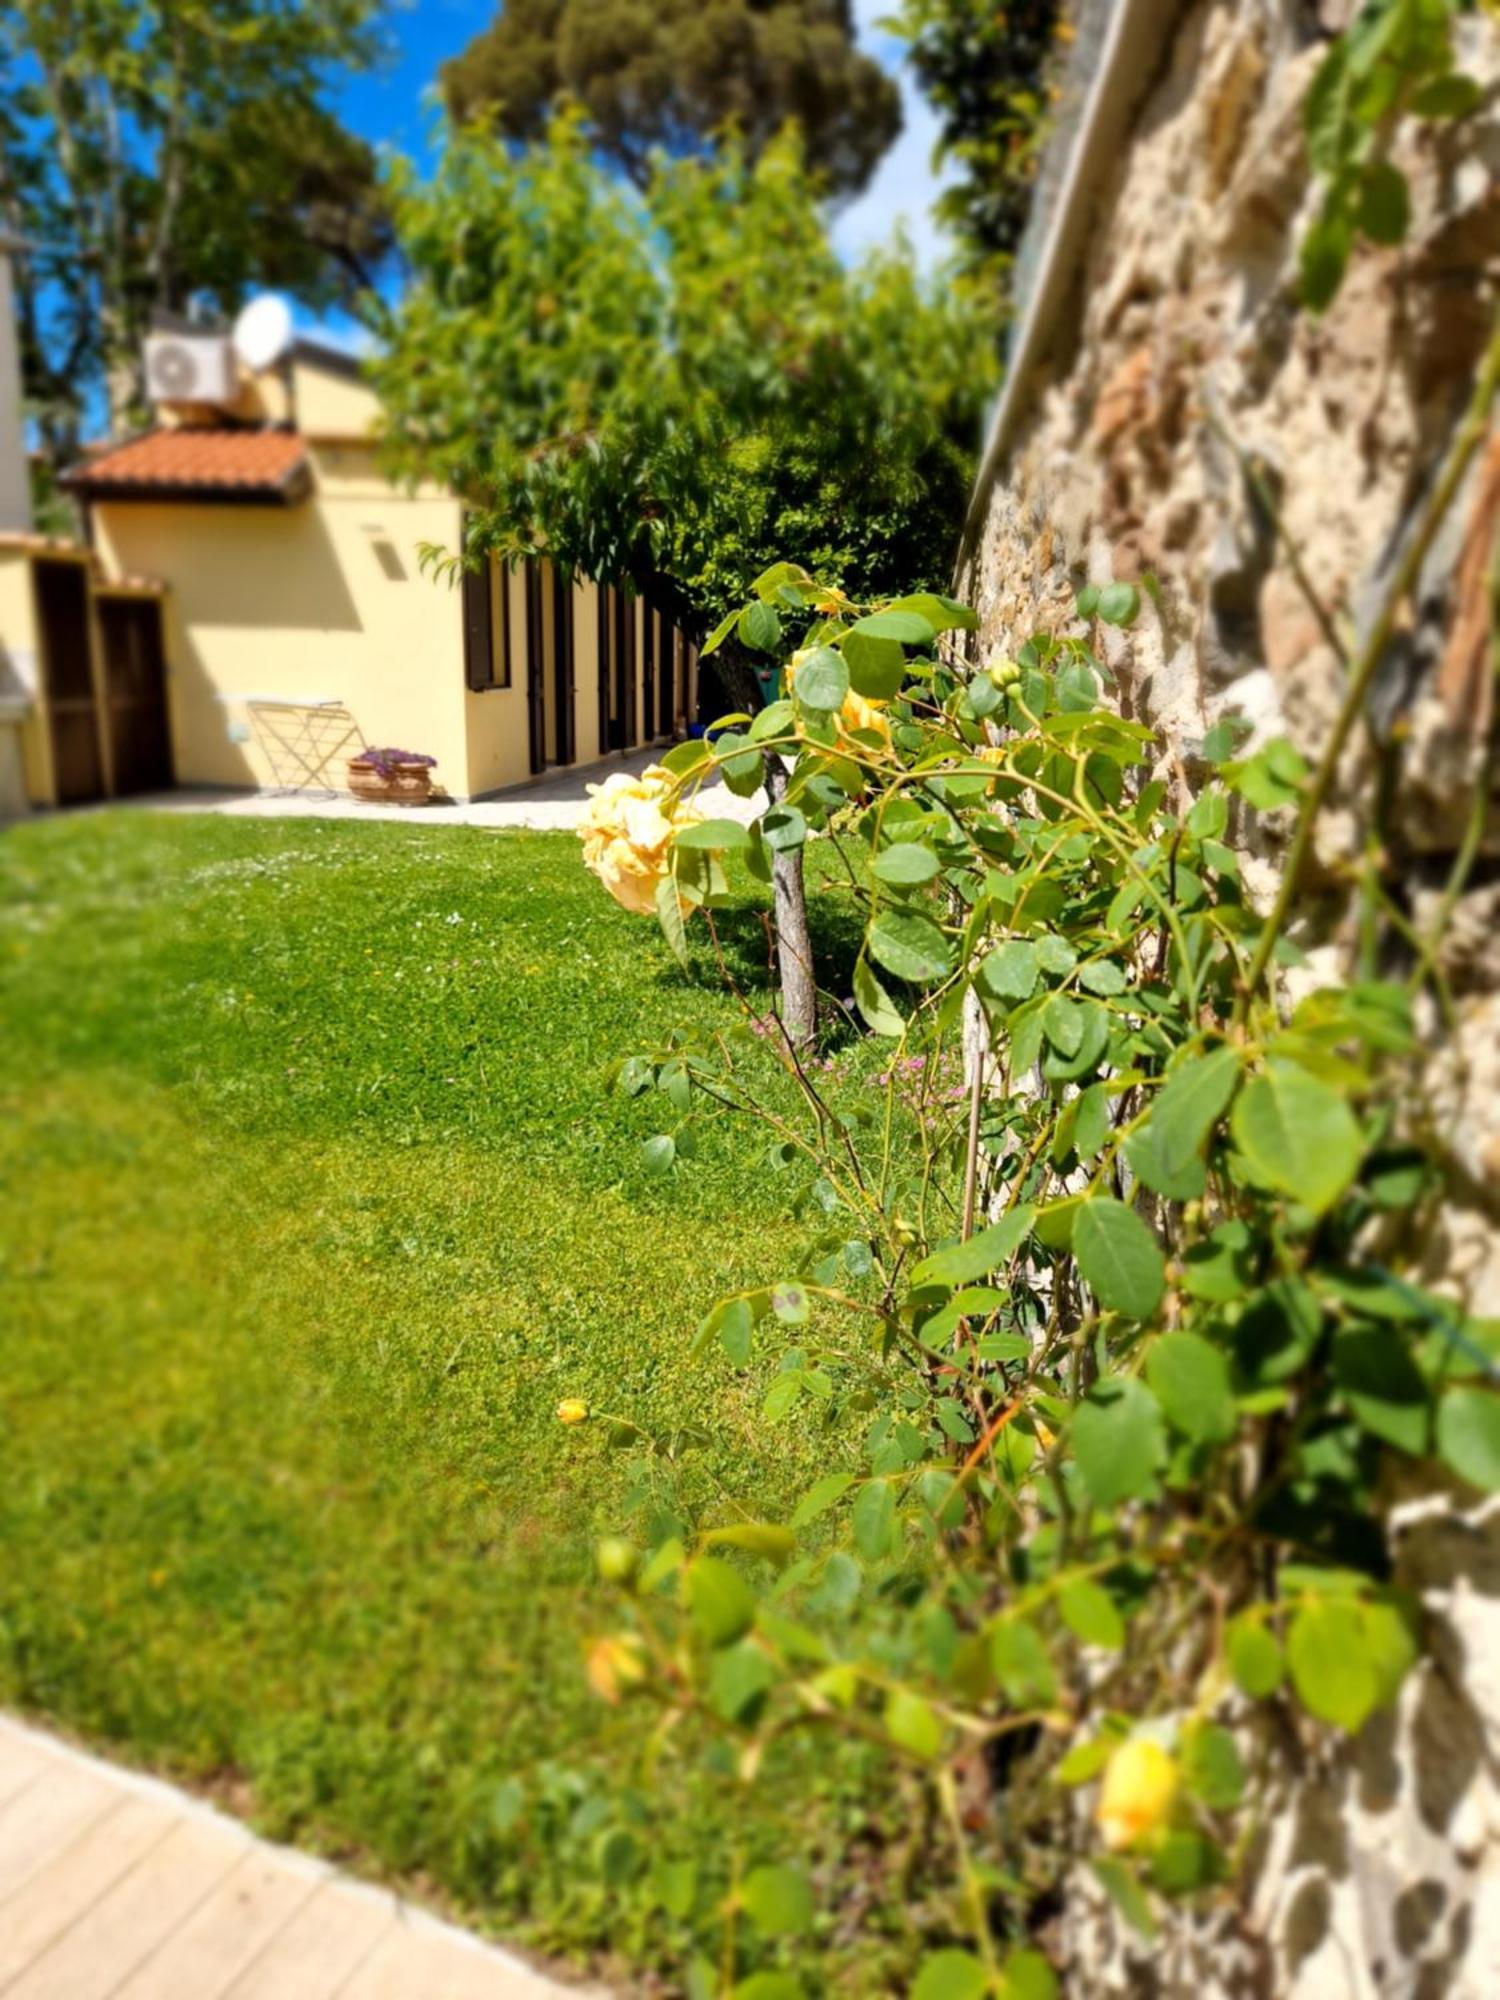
(479, 637)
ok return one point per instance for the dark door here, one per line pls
(62, 616)
(536, 667)
(562, 666)
(666, 674)
(625, 670)
(135, 693)
(601, 608)
(648, 673)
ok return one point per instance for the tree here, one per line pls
(675, 73)
(153, 153)
(984, 69)
(672, 391)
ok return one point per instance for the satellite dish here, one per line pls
(263, 331)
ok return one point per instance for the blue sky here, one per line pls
(390, 107)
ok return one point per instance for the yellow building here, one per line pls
(290, 621)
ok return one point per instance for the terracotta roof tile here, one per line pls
(266, 464)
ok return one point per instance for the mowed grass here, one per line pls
(314, 1202)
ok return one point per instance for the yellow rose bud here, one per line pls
(572, 1410)
(1136, 1797)
(613, 1665)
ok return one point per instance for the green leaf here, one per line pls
(790, 1302)
(659, 1152)
(777, 718)
(1383, 1386)
(913, 1724)
(1331, 1671)
(1323, 259)
(717, 834)
(1254, 1656)
(669, 916)
(911, 946)
(906, 865)
(1211, 1766)
(1022, 1664)
(877, 667)
(1297, 1135)
(740, 1677)
(1453, 96)
(783, 829)
(1119, 1257)
(719, 1601)
(734, 1323)
(1119, 1883)
(977, 1255)
(1102, 975)
(872, 1000)
(1384, 203)
(1468, 1436)
(1026, 1975)
(943, 614)
(777, 1899)
(951, 1975)
(872, 1520)
(1190, 1101)
(1119, 603)
(772, 1543)
(907, 628)
(818, 1499)
(1063, 1023)
(769, 1986)
(1091, 1614)
(1117, 1440)
(1190, 1380)
(822, 680)
(719, 634)
(1010, 971)
(760, 628)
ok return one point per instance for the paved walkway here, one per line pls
(553, 802)
(116, 1885)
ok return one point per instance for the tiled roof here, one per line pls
(227, 464)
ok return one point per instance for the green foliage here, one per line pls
(678, 76)
(1108, 1390)
(671, 390)
(1396, 60)
(986, 70)
(158, 154)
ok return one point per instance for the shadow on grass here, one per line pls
(745, 947)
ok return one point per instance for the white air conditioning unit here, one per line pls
(190, 368)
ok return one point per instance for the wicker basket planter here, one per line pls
(384, 781)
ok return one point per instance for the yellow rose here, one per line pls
(857, 712)
(1135, 1799)
(627, 829)
(572, 1410)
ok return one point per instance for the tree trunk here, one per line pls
(799, 996)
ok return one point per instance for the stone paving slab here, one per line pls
(115, 1886)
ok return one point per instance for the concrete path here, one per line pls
(552, 802)
(117, 1885)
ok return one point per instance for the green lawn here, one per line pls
(313, 1204)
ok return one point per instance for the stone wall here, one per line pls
(1179, 358)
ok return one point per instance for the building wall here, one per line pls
(20, 671)
(1171, 294)
(320, 601)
